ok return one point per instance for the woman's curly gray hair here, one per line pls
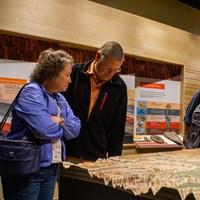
(50, 63)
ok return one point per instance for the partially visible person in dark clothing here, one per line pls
(194, 102)
(192, 139)
(98, 96)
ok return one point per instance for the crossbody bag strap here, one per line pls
(3, 121)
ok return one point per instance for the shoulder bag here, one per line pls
(18, 157)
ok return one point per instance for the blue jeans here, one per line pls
(39, 186)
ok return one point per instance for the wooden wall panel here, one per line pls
(90, 24)
(192, 83)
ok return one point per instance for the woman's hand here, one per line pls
(56, 119)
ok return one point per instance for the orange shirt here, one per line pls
(95, 87)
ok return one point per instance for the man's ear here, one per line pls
(97, 56)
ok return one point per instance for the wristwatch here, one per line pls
(62, 121)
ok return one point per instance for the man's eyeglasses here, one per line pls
(110, 69)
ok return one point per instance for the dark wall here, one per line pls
(27, 49)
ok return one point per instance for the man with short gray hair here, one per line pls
(98, 96)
